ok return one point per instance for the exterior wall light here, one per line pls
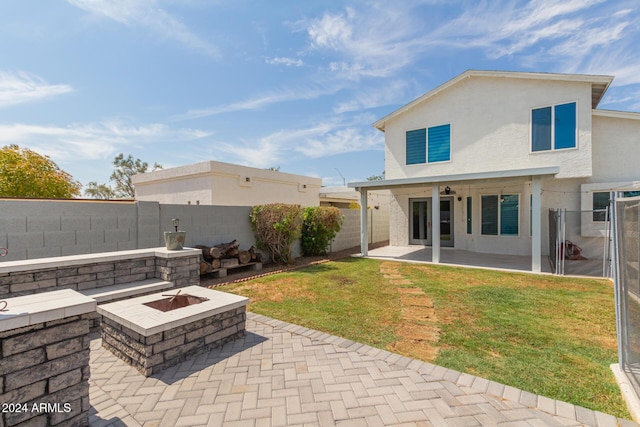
(175, 222)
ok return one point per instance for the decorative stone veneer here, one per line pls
(151, 340)
(44, 359)
(82, 272)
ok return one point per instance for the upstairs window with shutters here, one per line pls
(430, 145)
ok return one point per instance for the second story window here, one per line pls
(428, 145)
(553, 127)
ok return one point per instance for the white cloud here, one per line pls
(319, 140)
(259, 102)
(375, 41)
(394, 92)
(21, 87)
(91, 141)
(147, 14)
(340, 141)
(289, 62)
(379, 39)
(543, 31)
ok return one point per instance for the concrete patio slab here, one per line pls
(281, 374)
(462, 258)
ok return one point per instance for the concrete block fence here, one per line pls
(32, 229)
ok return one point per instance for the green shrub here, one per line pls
(320, 225)
(276, 227)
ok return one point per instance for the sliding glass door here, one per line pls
(420, 229)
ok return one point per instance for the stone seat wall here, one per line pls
(83, 272)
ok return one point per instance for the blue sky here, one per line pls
(294, 84)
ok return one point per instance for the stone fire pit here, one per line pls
(154, 332)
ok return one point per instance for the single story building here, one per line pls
(225, 184)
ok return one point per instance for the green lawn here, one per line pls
(548, 335)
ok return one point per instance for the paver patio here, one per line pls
(281, 374)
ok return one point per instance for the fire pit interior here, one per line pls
(175, 301)
(154, 332)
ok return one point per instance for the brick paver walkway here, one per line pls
(285, 375)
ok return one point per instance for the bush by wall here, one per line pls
(320, 225)
(276, 227)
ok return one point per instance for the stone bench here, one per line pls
(105, 277)
(86, 272)
(126, 290)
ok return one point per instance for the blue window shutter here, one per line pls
(509, 215)
(490, 215)
(469, 212)
(541, 129)
(416, 146)
(565, 125)
(440, 143)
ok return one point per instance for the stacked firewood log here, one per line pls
(226, 255)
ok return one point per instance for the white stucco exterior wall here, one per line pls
(225, 184)
(490, 122)
(616, 148)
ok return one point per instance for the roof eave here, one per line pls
(426, 180)
(599, 85)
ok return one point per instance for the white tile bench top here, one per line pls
(27, 265)
(126, 290)
(45, 307)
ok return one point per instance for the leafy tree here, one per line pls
(25, 173)
(274, 168)
(124, 169)
(376, 177)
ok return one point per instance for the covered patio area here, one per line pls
(457, 257)
(462, 258)
(477, 214)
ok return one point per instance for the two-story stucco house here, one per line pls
(488, 154)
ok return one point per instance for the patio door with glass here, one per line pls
(420, 221)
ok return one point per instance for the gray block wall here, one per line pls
(32, 229)
(349, 236)
(46, 228)
(209, 225)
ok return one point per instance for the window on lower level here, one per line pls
(500, 215)
(601, 201)
(553, 127)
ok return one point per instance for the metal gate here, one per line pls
(571, 252)
(627, 285)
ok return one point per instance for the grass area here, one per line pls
(548, 335)
(347, 299)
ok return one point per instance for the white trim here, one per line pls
(616, 114)
(500, 214)
(553, 128)
(422, 180)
